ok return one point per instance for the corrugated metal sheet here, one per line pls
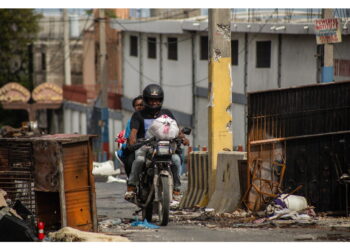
(308, 129)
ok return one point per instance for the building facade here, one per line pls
(174, 53)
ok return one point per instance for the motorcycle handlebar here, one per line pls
(141, 142)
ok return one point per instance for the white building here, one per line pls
(266, 55)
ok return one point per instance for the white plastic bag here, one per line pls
(104, 168)
(163, 128)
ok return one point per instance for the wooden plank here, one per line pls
(92, 188)
(62, 194)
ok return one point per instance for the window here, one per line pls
(172, 48)
(204, 48)
(263, 54)
(234, 52)
(43, 61)
(133, 45)
(152, 45)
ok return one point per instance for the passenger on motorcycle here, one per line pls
(123, 154)
(153, 97)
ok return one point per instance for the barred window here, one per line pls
(152, 47)
(263, 54)
(172, 48)
(133, 45)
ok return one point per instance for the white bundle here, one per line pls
(104, 168)
(163, 128)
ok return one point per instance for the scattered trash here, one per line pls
(145, 224)
(209, 210)
(287, 206)
(174, 204)
(104, 168)
(112, 179)
(13, 227)
(260, 220)
(109, 223)
(68, 234)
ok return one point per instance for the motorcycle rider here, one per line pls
(153, 97)
(123, 154)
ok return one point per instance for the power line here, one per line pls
(61, 43)
(189, 84)
(160, 43)
(66, 57)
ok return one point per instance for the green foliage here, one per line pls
(18, 30)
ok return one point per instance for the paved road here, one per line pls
(112, 206)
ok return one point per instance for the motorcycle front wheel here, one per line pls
(164, 201)
(147, 212)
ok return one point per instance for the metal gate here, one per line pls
(302, 133)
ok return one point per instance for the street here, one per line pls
(193, 226)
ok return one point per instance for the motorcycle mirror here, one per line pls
(186, 130)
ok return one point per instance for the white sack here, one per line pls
(294, 202)
(163, 128)
(104, 168)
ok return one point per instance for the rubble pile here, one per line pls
(27, 130)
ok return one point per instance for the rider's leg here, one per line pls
(175, 171)
(136, 167)
(130, 157)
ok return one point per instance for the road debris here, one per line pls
(16, 221)
(144, 224)
(111, 179)
(68, 234)
(109, 223)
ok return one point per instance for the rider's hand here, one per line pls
(185, 141)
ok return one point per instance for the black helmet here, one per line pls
(153, 91)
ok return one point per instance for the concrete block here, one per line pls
(227, 193)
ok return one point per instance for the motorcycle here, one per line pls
(155, 189)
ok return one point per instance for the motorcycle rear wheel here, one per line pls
(164, 201)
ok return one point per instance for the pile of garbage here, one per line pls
(16, 221)
(287, 207)
(26, 130)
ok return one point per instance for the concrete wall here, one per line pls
(298, 66)
(238, 70)
(342, 51)
(131, 68)
(177, 75)
(262, 78)
(150, 65)
(299, 63)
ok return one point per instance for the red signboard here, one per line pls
(328, 31)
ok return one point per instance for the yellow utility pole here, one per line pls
(220, 88)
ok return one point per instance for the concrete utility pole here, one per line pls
(328, 67)
(66, 52)
(103, 81)
(220, 88)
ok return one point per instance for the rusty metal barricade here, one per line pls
(307, 127)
